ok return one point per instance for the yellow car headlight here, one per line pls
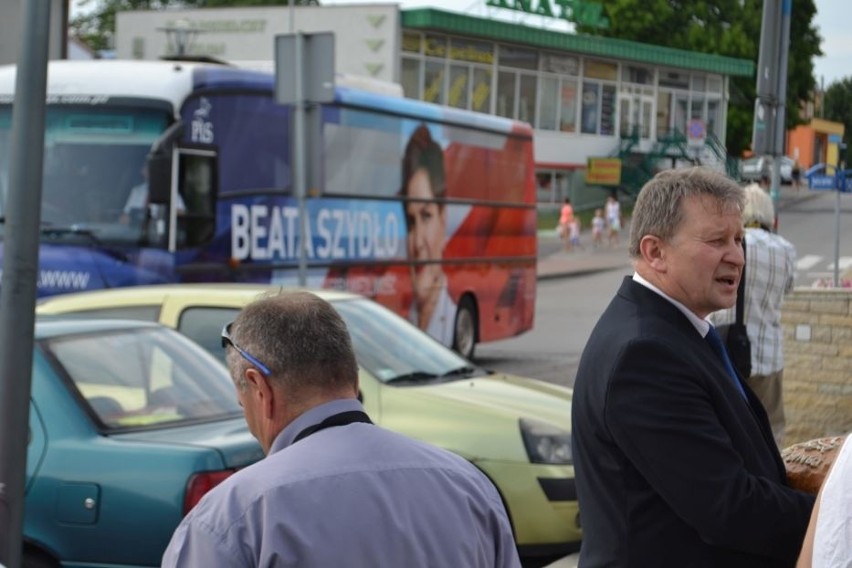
(546, 443)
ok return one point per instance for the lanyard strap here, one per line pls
(340, 419)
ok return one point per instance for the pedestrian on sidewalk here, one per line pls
(613, 218)
(566, 217)
(770, 266)
(598, 224)
(574, 232)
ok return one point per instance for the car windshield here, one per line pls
(143, 377)
(393, 350)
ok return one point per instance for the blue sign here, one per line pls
(835, 138)
(821, 182)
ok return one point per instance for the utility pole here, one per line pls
(20, 272)
(769, 134)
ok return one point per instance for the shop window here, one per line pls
(433, 82)
(568, 106)
(527, 99)
(664, 107)
(674, 79)
(596, 69)
(480, 97)
(714, 84)
(472, 51)
(506, 94)
(435, 46)
(590, 106)
(547, 114)
(608, 110)
(637, 75)
(560, 64)
(457, 94)
(410, 78)
(518, 58)
(411, 42)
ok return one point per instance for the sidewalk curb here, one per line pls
(580, 271)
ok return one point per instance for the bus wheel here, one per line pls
(464, 331)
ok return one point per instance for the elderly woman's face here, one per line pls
(426, 226)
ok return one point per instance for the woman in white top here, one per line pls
(828, 542)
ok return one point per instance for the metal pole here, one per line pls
(299, 154)
(839, 177)
(837, 238)
(781, 107)
(20, 270)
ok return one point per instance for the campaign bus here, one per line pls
(178, 171)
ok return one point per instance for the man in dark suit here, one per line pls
(674, 458)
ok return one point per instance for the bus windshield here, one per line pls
(94, 170)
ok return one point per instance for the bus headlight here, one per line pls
(545, 443)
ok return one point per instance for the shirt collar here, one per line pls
(701, 325)
(313, 416)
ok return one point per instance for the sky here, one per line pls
(832, 21)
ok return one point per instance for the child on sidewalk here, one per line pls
(597, 228)
(574, 229)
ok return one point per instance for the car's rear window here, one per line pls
(143, 377)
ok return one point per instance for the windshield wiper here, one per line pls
(54, 231)
(57, 230)
(413, 377)
(464, 372)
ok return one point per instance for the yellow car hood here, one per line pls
(478, 418)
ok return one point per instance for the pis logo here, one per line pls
(202, 128)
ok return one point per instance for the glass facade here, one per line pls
(557, 91)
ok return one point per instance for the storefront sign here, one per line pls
(603, 171)
(576, 11)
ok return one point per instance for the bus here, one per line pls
(179, 171)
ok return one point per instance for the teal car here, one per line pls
(515, 429)
(130, 425)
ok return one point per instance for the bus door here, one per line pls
(192, 217)
(184, 189)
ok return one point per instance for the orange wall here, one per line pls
(801, 138)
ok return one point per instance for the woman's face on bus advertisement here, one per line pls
(426, 226)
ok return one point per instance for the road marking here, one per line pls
(844, 262)
(808, 261)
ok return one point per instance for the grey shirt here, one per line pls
(353, 495)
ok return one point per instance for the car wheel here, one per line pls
(465, 328)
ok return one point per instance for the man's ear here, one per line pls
(652, 250)
(261, 392)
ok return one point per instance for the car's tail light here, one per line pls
(200, 483)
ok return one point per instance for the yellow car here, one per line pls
(515, 429)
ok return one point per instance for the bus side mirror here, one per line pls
(159, 177)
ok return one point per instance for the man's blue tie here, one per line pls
(715, 342)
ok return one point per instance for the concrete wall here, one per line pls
(818, 363)
(366, 35)
(11, 26)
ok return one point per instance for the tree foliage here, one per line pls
(837, 106)
(722, 27)
(96, 23)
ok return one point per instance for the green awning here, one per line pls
(469, 26)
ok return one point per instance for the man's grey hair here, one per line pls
(300, 337)
(758, 207)
(659, 208)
